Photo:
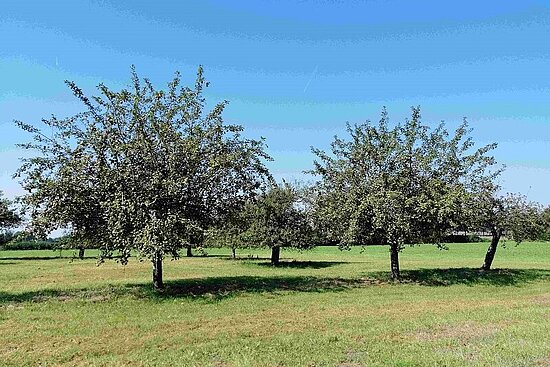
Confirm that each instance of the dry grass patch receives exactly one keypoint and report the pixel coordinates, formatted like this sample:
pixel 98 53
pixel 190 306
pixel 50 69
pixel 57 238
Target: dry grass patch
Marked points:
pixel 543 300
pixel 543 362
pixel 464 333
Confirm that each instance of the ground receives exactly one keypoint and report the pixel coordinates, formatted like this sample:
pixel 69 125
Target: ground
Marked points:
pixel 321 308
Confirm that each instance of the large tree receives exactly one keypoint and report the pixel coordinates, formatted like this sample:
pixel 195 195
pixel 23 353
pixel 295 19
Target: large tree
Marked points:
pixel 141 169
pixel 397 185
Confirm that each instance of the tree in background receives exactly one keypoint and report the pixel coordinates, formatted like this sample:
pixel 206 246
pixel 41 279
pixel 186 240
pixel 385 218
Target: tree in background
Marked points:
pixel 275 219
pixel 545 218
pixel 511 216
pixel 231 232
pixel 8 217
pixel 141 169
pixel 392 186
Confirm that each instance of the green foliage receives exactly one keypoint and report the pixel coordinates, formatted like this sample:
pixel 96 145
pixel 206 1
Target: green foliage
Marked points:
pixel 8 217
pixel 511 215
pixel 276 218
pixel 6 236
pixel 406 184
pixel 522 220
pixel 545 218
pixel 23 240
pixel 31 245
pixel 140 169
pixel 230 232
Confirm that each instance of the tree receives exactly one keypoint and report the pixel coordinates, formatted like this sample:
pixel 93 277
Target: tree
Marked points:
pixel 141 169
pixel 231 232
pixel 275 219
pixel 8 217
pixel 512 216
pixel 391 186
pixel 545 218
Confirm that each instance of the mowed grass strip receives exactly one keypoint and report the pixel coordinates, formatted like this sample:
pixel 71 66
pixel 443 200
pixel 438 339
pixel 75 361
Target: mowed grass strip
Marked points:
pixel 320 308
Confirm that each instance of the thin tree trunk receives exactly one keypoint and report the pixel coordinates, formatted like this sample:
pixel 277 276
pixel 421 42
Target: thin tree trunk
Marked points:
pixel 81 253
pixel 189 253
pixel 394 261
pixel 234 252
pixel 275 255
pixel 491 251
pixel 157 271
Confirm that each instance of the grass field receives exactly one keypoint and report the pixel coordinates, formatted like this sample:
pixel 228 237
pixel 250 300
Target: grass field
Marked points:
pixel 321 308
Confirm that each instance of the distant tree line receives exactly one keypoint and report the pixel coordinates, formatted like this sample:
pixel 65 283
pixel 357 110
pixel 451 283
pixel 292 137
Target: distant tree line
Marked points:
pixel 155 171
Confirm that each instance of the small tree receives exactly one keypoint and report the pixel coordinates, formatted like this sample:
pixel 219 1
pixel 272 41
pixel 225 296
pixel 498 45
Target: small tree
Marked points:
pixel 512 216
pixel 231 232
pixel 276 219
pixel 8 217
pixel 545 218
pixel 392 186
pixel 141 169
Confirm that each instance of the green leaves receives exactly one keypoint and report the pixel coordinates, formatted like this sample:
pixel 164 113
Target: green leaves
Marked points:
pixel 141 168
pixel 8 217
pixel 396 185
pixel 276 218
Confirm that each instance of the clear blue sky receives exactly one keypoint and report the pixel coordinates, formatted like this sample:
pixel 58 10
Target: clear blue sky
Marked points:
pixel 295 72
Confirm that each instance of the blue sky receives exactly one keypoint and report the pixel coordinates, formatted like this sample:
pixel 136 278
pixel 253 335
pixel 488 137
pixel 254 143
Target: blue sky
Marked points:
pixel 296 71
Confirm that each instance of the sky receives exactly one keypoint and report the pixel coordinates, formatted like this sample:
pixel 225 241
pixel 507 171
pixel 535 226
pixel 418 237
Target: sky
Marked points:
pixel 295 72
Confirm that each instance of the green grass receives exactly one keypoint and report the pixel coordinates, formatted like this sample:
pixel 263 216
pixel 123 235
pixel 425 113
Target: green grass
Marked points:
pixel 320 308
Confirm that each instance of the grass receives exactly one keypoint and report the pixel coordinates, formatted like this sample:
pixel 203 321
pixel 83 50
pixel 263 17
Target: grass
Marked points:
pixel 320 308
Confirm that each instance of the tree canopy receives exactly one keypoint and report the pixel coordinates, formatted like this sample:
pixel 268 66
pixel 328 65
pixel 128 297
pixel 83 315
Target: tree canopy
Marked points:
pixel 8 216
pixel 396 185
pixel 141 169
pixel 275 219
pixel 511 215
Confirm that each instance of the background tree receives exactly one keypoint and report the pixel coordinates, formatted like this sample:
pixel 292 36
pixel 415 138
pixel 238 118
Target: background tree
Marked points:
pixel 545 235
pixel 275 219
pixel 141 169
pixel 231 232
pixel 512 216
pixel 8 216
pixel 392 186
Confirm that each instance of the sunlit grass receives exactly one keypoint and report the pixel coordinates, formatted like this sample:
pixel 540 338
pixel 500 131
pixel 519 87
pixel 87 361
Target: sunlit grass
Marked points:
pixel 321 308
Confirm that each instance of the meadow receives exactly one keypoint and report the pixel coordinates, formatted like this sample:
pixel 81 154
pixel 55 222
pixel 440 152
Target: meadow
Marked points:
pixel 322 307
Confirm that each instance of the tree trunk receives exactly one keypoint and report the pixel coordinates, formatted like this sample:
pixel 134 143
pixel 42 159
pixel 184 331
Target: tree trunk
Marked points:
pixel 157 271
pixel 81 253
pixel 189 253
pixel 234 252
pixel 275 254
pixel 490 255
pixel 394 261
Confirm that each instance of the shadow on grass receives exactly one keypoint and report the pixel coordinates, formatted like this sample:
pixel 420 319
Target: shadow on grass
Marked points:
pixel 53 257
pixel 240 258
pixel 218 288
pixel 214 288
pixel 302 264
pixel 467 276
